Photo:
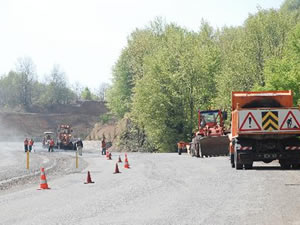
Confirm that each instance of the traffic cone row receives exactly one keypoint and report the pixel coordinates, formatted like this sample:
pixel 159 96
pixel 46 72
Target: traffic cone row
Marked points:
pixel 43 181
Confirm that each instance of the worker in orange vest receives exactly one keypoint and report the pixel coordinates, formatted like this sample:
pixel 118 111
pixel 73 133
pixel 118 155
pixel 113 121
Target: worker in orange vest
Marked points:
pixel 181 146
pixel 51 145
pixel 26 144
pixel 30 144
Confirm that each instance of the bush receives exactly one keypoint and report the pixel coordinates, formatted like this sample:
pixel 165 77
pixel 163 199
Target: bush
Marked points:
pixel 105 118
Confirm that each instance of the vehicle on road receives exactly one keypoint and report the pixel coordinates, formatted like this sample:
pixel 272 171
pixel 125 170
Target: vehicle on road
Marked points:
pixel 265 127
pixel 211 137
pixel 48 135
pixel 64 137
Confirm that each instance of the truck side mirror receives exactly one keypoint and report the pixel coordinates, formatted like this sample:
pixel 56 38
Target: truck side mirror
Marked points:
pixel 224 115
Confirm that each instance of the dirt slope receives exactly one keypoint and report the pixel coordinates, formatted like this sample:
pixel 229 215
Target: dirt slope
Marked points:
pixel 82 116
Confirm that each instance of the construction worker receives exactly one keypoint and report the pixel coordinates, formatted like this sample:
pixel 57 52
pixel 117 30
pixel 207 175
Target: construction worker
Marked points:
pixel 79 146
pixel 193 144
pixel 30 144
pixel 103 146
pixel 26 144
pixel 180 146
pixel 51 145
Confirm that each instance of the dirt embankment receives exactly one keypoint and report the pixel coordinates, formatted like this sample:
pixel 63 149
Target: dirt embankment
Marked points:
pixel 82 116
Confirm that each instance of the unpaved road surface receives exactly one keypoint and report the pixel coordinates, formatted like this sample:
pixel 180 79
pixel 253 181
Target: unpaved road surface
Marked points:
pixel 158 189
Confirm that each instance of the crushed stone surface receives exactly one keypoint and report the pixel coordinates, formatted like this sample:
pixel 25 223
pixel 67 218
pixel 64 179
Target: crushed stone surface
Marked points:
pixel 159 188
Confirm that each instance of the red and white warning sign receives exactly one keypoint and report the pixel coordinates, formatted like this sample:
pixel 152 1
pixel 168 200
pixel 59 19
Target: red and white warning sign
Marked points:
pixel 250 123
pixel 290 122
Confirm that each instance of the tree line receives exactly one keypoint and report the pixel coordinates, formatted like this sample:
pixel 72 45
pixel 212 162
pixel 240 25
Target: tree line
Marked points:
pixel 167 72
pixel 20 87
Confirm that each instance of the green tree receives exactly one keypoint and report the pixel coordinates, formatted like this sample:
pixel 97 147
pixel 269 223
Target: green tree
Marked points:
pixel 27 71
pixel 245 51
pixel 86 94
pixel 178 77
pixel 283 73
pixel 10 89
pixel 57 89
pixel 128 69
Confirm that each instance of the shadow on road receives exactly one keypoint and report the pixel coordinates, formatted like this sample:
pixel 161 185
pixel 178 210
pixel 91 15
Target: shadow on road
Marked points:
pixel 271 168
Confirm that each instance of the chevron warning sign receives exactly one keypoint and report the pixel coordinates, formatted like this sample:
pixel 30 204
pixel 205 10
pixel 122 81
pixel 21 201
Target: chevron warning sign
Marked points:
pixel 270 120
pixel 290 122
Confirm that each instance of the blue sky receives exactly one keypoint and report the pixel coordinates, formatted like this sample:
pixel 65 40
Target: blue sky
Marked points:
pixel 85 37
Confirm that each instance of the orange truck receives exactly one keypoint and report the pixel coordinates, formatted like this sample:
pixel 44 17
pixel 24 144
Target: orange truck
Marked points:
pixel 64 137
pixel 264 127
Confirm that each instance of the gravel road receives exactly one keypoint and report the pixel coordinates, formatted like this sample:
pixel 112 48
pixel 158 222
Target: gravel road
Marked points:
pixel 157 189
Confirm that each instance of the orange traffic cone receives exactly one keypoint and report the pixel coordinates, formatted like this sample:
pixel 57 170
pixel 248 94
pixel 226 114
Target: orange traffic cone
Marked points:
pixel 43 183
pixel 120 160
pixel 117 169
pixel 126 159
pixel 109 156
pixel 126 166
pixel 107 153
pixel 89 179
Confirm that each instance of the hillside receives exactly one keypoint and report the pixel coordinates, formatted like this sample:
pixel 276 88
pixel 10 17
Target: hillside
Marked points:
pixel 82 116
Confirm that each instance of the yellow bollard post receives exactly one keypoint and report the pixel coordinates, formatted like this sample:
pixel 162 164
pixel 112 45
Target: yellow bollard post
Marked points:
pixel 76 159
pixel 27 160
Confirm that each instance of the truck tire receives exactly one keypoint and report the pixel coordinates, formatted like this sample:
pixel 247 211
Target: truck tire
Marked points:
pixel 232 160
pixel 248 166
pixel 238 165
pixel 198 150
pixel 285 166
pixel 296 166
pixel 179 151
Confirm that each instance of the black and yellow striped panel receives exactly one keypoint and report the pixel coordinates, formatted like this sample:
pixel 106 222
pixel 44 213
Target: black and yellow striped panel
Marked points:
pixel 270 120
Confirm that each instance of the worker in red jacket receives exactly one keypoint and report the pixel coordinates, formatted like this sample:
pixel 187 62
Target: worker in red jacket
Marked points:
pixel 103 146
pixel 51 145
pixel 26 144
pixel 30 144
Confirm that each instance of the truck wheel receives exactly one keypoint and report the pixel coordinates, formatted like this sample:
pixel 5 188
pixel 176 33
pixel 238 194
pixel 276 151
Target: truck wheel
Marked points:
pixel 200 151
pixel 285 166
pixel 238 165
pixel 179 151
pixel 296 166
pixel 197 150
pixel 232 160
pixel 248 166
